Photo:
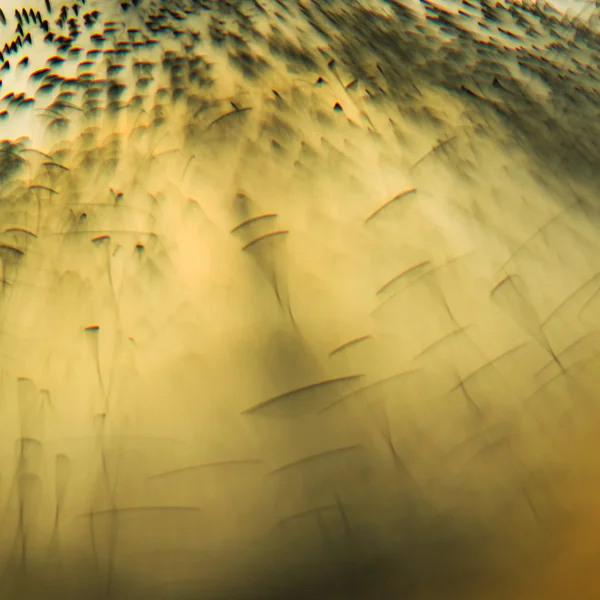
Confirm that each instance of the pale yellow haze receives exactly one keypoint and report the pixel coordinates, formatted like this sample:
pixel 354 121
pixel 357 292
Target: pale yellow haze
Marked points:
pixel 401 375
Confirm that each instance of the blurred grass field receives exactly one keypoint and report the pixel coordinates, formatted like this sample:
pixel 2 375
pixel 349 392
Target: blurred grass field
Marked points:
pixel 299 300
